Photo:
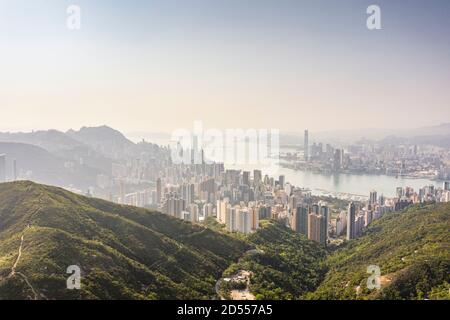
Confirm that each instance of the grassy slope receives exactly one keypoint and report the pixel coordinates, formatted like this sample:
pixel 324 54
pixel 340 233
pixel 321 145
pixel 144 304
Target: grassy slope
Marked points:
pixel 412 249
pixel 124 252
pixel 131 253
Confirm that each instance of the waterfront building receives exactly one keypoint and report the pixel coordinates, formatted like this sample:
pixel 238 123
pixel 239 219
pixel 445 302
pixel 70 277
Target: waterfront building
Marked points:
pixel 351 214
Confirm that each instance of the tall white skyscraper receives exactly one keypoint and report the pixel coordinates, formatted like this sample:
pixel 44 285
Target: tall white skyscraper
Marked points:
pixel 2 168
pixel 306 146
pixel 193 210
pixel 231 219
pixel 15 170
pixel 222 207
pixel 158 191
pixel 244 222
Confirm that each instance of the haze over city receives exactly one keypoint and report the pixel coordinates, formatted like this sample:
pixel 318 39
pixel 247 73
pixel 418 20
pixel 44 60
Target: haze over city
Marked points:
pixel 159 65
pixel 225 150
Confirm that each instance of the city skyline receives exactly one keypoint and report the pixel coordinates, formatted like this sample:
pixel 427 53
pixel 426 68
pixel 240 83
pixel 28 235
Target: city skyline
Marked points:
pixel 308 64
pixel 133 135
pixel 225 150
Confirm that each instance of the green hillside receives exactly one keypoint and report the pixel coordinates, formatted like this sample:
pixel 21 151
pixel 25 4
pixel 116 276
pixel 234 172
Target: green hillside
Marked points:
pixel 123 252
pixel 131 253
pixel 412 249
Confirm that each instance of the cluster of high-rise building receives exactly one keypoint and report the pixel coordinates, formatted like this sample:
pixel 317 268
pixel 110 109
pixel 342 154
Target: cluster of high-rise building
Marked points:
pixel 226 194
pixel 359 216
pixel 311 221
pixel 316 153
pixel 140 198
pixel 429 193
pixel 240 199
pixel 194 191
pixel 373 157
pixel 241 218
pixel 13 174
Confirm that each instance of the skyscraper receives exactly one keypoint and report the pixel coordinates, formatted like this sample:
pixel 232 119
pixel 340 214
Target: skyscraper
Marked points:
pixel 351 213
pixel 222 207
pixel 341 223
pixel 315 209
pixel 324 227
pixel 373 197
pixel 399 192
pixel 306 146
pixel 2 168
pixel 254 218
pixel 174 207
pixel 382 200
pixel 300 220
pixel 257 176
pixel 264 212
pixel 446 185
pixel 281 181
pixel 315 228
pixel 187 193
pixel 246 178
pixel 244 221
pixel 231 218
pixel 312 226
pixel 15 170
pixel 122 192
pixel 193 210
pixel 368 217
pixel 158 190
pixel 208 210
pixel 337 160
pixel 195 156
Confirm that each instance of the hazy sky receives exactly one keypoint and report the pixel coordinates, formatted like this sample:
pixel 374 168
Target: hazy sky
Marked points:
pixel 160 65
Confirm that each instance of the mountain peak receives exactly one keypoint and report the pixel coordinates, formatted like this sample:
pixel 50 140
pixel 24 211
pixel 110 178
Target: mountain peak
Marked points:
pixel 107 140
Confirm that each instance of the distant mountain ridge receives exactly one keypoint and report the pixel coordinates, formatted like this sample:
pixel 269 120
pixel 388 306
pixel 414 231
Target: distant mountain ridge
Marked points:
pixel 425 135
pixel 38 164
pixel 88 152
pixel 104 139
pixel 51 140
pixel 111 143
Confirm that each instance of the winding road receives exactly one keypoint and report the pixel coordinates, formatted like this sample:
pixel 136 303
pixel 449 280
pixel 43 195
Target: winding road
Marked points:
pixel 13 268
pixel 19 255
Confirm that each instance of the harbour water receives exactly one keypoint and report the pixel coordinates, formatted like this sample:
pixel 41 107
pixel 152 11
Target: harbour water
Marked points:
pixel 345 185
pixel 341 185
